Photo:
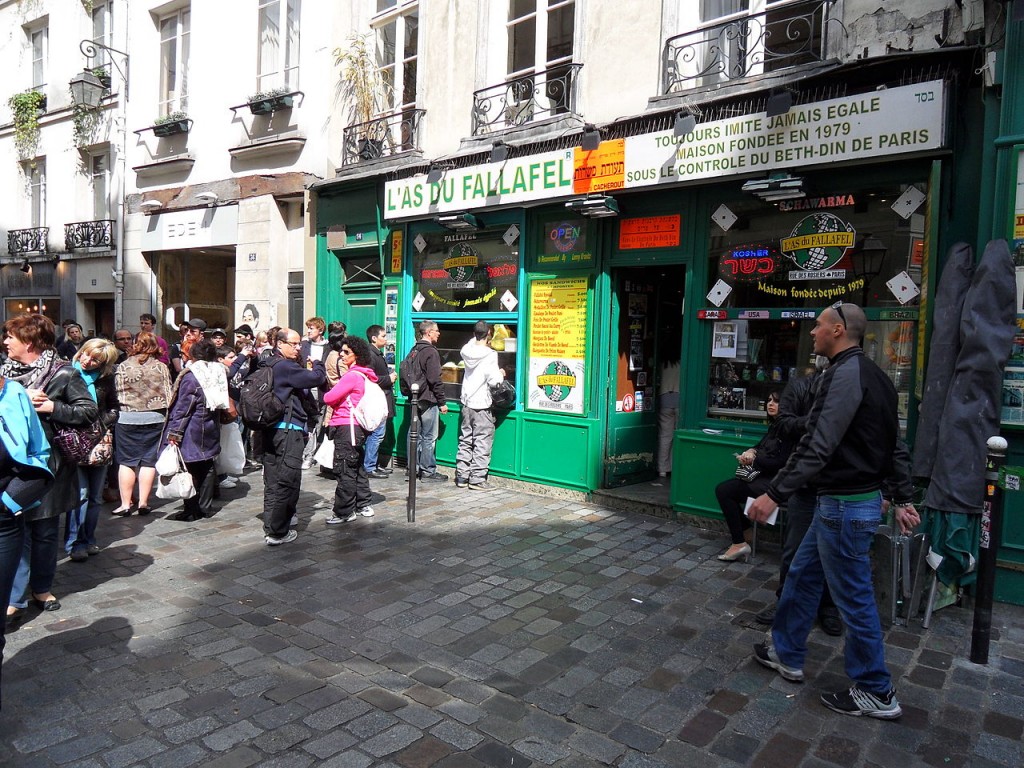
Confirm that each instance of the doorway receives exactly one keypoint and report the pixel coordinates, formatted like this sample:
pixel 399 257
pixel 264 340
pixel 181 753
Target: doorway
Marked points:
pixel 646 336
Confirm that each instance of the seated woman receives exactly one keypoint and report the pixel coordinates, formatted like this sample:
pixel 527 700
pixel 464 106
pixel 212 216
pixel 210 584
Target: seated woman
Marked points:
pixel 766 458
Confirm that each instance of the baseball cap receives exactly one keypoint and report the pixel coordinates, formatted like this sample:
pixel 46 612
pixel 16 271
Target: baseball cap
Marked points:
pixel 198 323
pixel 244 330
pixel 218 332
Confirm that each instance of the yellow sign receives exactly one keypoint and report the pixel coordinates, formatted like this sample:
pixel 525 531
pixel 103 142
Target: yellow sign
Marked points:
pixel 558 318
pixel 818 240
pixel 1018 227
pixel 396 251
pixel 601 169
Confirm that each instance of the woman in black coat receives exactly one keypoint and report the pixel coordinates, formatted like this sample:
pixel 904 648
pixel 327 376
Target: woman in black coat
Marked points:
pixel 766 458
pixel 60 396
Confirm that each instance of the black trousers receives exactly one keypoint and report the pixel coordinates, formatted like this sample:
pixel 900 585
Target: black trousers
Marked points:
pixel 353 489
pixel 200 470
pixel 732 497
pixel 282 478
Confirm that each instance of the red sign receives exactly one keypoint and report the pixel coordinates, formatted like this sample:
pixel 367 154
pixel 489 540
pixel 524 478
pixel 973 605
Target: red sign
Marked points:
pixel 627 403
pixel 649 232
pixel 712 314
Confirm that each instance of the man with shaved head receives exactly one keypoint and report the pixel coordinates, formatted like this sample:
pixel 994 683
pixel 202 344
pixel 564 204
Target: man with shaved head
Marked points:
pixel 851 456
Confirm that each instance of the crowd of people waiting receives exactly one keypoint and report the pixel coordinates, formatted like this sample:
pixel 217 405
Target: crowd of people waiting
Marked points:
pixel 86 419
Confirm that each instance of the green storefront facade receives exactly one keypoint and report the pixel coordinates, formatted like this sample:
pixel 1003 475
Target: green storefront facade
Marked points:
pixel 693 268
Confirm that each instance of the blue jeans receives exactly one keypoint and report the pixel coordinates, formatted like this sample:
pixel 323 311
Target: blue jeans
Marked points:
pixel 373 441
pixel 82 520
pixel 836 550
pixel 12 532
pixel 425 459
pixel 38 562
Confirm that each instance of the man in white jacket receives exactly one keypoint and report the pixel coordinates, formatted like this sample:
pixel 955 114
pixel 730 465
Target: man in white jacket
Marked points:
pixel 476 427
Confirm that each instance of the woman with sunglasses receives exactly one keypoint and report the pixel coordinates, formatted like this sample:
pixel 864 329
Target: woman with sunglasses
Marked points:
pixel 352 493
pixel 760 463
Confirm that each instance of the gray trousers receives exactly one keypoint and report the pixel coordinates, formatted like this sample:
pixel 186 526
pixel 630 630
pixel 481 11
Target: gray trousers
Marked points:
pixel 476 436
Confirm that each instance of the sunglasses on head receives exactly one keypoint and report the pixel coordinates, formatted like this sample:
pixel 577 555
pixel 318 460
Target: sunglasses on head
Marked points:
pixel 838 307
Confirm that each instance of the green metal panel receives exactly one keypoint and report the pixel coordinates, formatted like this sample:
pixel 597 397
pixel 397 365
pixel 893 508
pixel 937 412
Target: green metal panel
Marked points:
pixel 560 452
pixel 699 463
pixel 329 300
pixel 505 451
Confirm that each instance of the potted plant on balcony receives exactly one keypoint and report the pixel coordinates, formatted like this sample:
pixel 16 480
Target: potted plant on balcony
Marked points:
pixel 103 75
pixel 366 88
pixel 171 125
pixel 26 108
pixel 268 102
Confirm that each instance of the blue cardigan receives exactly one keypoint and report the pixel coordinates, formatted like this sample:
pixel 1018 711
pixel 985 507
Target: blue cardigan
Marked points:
pixel 25 442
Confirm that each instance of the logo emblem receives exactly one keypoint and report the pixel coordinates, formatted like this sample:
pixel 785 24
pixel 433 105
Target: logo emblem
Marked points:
pixel 461 263
pixel 557 381
pixel 818 242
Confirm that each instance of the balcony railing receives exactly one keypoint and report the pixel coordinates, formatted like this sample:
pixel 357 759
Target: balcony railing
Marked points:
pixel 22 241
pixel 751 44
pixel 382 137
pixel 525 99
pixel 89 234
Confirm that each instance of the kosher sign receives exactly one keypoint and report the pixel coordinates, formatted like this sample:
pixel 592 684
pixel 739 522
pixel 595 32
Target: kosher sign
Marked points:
pixel 558 344
pixel 890 122
pixel 748 263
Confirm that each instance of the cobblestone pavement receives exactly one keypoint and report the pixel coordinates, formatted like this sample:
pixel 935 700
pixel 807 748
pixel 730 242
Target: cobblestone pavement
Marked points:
pixel 501 629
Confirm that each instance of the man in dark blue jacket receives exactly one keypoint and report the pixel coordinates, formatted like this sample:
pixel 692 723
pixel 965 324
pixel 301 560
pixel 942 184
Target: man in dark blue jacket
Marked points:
pixel 283 443
pixel 849 454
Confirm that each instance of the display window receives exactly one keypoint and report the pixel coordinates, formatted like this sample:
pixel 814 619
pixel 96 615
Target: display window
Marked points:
pixel 774 266
pixel 455 335
pixel 470 271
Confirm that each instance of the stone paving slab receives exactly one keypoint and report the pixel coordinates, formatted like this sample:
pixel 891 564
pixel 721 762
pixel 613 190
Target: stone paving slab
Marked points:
pixel 500 629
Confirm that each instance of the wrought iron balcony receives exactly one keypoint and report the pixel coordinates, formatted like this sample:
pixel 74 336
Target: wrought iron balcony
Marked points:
pixel 89 234
pixel 525 99
pixel 746 45
pixel 382 137
pixel 22 241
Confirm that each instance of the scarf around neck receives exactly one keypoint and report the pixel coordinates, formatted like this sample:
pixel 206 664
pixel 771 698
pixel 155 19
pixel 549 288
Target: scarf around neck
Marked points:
pixel 31 375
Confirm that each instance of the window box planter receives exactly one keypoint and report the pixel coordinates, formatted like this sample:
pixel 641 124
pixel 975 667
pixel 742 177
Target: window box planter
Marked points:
pixel 173 126
pixel 272 104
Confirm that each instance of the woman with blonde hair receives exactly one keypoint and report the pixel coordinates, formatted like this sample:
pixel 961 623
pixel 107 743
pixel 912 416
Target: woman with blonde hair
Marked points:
pixel 94 361
pixel 143 386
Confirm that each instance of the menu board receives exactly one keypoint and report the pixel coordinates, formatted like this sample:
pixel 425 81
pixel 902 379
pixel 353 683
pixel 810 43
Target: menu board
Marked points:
pixel 558 344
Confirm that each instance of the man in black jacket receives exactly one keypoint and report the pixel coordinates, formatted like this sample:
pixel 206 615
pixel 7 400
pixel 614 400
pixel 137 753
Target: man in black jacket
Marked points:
pixel 282 444
pixel 378 340
pixel 849 454
pixel 432 401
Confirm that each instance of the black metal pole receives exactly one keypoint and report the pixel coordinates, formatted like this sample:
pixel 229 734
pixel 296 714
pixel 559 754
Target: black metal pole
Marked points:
pixel 411 461
pixel 988 549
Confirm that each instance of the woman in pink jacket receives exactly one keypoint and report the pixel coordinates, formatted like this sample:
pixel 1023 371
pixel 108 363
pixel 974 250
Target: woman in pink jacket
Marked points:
pixel 352 494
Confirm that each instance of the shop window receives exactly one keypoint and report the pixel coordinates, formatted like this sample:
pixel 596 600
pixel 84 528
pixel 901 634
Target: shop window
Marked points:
pixel 778 265
pixel 174 54
pixel 196 284
pixel 278 62
pixel 455 335
pixel 466 272
pixel 44 305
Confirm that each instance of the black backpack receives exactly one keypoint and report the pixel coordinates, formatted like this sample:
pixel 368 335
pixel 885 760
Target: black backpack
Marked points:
pixel 258 406
pixel 410 372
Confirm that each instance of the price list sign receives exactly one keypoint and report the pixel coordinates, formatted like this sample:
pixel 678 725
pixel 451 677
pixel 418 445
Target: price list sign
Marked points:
pixel 558 344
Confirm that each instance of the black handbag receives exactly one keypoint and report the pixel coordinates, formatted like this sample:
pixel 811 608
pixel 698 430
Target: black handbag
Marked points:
pixel 747 473
pixel 503 394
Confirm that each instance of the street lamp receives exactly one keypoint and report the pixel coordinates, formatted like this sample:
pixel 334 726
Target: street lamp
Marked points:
pixel 88 91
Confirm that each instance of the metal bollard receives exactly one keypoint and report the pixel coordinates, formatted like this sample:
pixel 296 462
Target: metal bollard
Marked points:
pixel 411 461
pixel 988 549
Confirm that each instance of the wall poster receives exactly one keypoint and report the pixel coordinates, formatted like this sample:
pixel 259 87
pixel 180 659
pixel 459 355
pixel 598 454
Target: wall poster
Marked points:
pixel 558 344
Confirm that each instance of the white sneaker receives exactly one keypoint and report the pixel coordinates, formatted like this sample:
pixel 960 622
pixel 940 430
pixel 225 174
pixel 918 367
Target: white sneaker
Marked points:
pixel 274 542
pixel 307 463
pixel 366 511
pixel 338 520
pixel 228 482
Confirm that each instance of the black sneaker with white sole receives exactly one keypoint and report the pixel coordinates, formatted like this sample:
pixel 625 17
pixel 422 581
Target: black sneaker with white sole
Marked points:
pixel 856 702
pixel 764 654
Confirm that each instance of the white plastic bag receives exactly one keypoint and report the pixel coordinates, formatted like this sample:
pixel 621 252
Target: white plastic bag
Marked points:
pixel 231 460
pixel 168 461
pixel 178 484
pixel 324 455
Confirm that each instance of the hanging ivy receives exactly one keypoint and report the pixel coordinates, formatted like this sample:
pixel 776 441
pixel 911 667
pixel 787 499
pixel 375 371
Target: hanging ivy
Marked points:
pixel 26 108
pixel 85 120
